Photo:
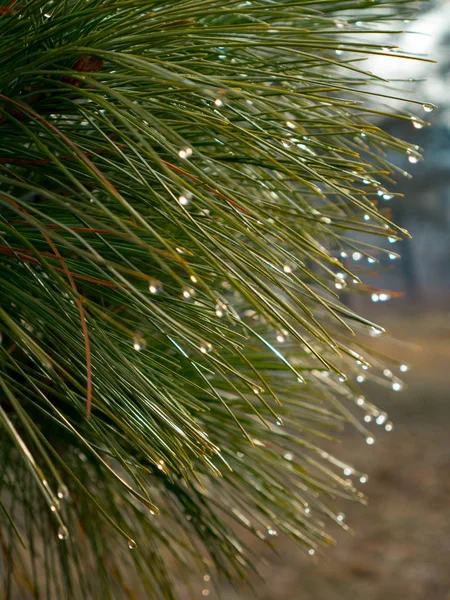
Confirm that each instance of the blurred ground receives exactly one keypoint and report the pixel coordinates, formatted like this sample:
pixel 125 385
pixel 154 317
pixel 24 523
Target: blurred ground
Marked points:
pixel 401 546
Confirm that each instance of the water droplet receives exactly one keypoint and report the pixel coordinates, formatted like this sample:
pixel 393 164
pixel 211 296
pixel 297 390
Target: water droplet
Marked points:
pixel 397 386
pixel 344 255
pixel 206 577
pixel 280 338
pixel 356 256
pixel 139 343
pixel 273 532
pixel 53 508
pixel 132 544
pixel 63 491
pixel 311 551
pixel 428 107
pixel 291 125
pixel 287 269
pixel 375 331
pixel 404 368
pixel 416 123
pixel 360 401
pixel 380 419
pixel 218 102
pixel 388 196
pixel 205 347
pixel 363 479
pixel 63 534
pixel 374 298
pixel 368 418
pixel 348 471
pixel 383 297
pixel 289 456
pixel 155 286
pixel 184 199
pixel 413 157
pixel 340 282
pixel 366 217
pixel 340 517
pixel 205 592
pixel 370 440
pixel 360 379
pixel 389 426
pixel 185 152
pixel 186 294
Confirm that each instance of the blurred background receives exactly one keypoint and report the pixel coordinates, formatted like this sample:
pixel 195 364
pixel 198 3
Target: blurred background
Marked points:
pixel 400 548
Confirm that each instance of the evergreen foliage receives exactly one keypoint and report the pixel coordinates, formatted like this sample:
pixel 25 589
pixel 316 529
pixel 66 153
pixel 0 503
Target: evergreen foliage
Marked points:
pixel 181 181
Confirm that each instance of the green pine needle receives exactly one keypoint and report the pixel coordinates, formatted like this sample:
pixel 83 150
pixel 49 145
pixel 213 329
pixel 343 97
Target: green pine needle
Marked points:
pixel 181 183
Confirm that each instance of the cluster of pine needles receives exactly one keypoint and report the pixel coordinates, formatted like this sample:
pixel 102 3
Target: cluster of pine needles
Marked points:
pixel 181 185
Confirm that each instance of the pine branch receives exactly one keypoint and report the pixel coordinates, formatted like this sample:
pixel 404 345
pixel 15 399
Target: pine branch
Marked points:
pixel 182 185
